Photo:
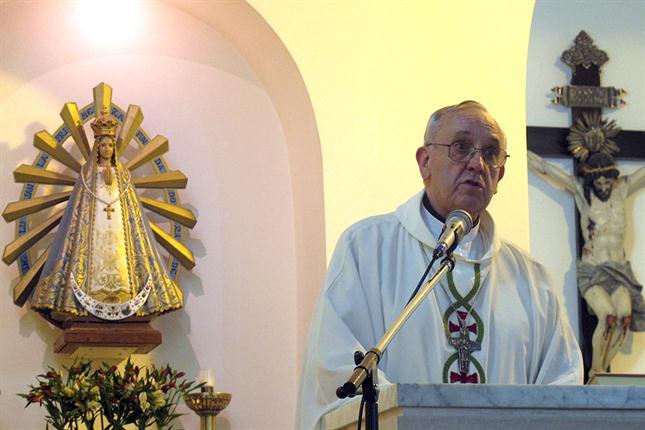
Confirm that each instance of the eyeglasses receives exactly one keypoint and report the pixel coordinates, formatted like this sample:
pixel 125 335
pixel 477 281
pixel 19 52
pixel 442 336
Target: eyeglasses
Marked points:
pixel 462 152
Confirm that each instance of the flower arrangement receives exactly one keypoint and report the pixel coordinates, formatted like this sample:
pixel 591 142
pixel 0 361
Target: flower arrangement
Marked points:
pixel 79 396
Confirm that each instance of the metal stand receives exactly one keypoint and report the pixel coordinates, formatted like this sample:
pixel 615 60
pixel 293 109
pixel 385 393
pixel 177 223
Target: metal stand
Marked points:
pixel 370 391
pixel 207 404
pixel 365 373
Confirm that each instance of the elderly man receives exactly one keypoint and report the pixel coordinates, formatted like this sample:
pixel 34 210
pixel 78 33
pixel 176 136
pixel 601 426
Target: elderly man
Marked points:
pixel 496 297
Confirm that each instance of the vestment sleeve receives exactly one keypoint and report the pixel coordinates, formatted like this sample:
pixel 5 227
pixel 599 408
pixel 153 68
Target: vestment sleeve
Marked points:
pixel 345 320
pixel 560 360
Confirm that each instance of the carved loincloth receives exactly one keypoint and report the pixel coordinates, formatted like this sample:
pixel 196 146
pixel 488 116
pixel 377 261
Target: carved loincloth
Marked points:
pixel 610 276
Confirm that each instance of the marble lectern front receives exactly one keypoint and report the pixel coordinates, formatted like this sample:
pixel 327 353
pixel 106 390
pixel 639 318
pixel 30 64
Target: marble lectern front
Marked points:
pixel 500 407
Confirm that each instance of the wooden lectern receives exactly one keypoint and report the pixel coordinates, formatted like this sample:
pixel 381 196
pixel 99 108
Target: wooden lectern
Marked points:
pixel 500 407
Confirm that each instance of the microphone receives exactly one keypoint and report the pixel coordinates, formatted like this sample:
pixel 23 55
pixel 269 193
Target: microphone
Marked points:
pixel 458 224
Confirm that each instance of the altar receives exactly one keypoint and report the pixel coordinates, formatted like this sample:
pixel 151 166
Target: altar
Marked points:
pixel 499 407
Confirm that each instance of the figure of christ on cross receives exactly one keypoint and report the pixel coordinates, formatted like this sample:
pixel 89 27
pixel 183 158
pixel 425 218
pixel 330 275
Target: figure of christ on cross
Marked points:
pixel 463 344
pixel 605 278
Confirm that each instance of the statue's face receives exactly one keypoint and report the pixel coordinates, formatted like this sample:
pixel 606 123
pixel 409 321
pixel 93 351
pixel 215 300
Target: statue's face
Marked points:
pixel 602 187
pixel 106 147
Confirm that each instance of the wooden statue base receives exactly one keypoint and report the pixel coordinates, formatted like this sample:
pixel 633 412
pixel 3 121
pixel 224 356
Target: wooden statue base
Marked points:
pixel 138 337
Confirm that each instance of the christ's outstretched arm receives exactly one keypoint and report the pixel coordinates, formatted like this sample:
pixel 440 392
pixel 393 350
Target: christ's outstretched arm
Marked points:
pixel 553 174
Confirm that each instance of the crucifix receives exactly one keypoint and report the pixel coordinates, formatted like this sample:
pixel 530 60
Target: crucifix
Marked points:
pixel 108 211
pixel 463 344
pixel 606 282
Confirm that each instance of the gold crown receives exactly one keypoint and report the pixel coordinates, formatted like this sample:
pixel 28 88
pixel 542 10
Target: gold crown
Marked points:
pixel 104 125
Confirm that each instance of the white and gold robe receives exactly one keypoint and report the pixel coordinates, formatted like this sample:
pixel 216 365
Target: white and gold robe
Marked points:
pixel 110 261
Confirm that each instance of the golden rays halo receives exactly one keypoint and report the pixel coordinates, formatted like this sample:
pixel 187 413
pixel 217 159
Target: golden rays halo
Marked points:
pixel 32 231
pixel 590 134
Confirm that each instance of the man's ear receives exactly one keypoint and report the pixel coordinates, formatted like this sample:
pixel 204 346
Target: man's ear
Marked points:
pixel 423 160
pixel 501 173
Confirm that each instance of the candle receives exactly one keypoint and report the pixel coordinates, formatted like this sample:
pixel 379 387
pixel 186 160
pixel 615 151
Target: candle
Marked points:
pixel 207 376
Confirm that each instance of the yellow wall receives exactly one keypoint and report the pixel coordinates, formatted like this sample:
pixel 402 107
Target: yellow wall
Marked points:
pixel 375 70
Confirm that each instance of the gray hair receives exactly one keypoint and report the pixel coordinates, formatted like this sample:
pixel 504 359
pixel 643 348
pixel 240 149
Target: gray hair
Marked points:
pixel 435 119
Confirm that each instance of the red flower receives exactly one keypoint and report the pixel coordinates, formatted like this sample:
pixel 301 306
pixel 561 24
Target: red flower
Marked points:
pixel 33 398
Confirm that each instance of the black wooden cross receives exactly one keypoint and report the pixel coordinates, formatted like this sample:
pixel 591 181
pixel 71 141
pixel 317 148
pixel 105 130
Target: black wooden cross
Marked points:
pixel 584 95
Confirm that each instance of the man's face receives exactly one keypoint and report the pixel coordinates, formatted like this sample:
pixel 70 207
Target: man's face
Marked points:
pixel 602 187
pixel 467 185
pixel 106 147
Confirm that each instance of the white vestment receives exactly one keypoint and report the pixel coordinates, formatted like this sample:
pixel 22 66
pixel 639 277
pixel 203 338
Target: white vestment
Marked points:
pixel 524 335
pixel 109 281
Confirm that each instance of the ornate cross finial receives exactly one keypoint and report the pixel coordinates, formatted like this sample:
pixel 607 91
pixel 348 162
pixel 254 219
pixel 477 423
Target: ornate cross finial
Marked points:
pixel 584 53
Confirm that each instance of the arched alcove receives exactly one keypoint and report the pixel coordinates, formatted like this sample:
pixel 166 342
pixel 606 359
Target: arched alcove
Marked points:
pixel 226 93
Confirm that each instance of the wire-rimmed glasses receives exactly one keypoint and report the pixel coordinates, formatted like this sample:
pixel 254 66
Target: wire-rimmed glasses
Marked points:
pixel 462 152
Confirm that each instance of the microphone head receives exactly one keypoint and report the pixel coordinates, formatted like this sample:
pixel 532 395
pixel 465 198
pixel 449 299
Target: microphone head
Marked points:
pixel 458 224
pixel 461 220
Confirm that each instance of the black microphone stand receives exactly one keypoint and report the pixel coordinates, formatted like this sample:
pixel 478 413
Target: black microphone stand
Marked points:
pixel 365 373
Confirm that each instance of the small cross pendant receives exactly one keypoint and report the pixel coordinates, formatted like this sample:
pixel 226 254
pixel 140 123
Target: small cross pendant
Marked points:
pixel 108 210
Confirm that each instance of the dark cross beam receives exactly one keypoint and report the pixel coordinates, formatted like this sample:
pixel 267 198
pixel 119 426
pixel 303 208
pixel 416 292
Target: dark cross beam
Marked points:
pixel 552 142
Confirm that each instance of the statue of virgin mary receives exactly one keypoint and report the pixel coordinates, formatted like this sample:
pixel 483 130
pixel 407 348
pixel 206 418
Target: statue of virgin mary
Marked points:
pixel 102 261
